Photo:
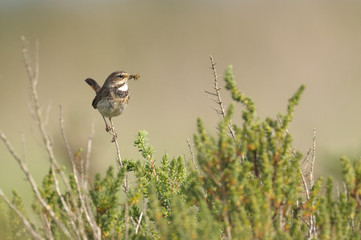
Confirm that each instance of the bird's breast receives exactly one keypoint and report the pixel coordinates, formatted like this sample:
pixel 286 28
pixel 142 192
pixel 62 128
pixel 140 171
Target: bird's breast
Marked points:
pixel 111 107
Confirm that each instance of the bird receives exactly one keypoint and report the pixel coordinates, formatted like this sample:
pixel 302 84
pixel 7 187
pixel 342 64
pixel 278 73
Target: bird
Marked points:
pixel 112 98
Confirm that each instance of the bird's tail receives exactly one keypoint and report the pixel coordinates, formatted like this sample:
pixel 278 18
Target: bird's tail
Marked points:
pixel 93 84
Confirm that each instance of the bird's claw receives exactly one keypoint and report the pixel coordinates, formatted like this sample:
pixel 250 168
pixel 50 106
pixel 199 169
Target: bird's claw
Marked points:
pixel 107 128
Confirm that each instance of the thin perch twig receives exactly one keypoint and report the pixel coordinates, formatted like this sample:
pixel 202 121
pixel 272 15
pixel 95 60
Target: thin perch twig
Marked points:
pixel 119 158
pixel 115 140
pixel 125 183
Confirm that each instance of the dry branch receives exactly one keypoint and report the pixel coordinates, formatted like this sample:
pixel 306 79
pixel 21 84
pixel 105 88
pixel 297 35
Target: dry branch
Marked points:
pixel 25 221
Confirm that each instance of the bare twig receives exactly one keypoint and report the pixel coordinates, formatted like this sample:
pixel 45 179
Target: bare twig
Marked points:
pixel 84 198
pixel 32 182
pixel 25 221
pixel 308 225
pixel 74 227
pixel 305 159
pixel 125 183
pixel 153 166
pixel 210 93
pixel 218 95
pixel 37 65
pixel 85 205
pixel 23 150
pixel 192 155
pixel 47 113
pixel 115 140
pixel 312 229
pixel 69 213
pixel 70 153
pixel 313 157
pixel 139 221
pixel 65 139
pixel 228 225
pixel 33 79
pixel 337 191
pixel 309 171
pixel 308 164
pixel 80 185
pixel 90 142
pixel 45 221
pixel 119 158
pixel 91 219
pixel 126 208
pixel 305 187
pixel 133 221
pixel 145 204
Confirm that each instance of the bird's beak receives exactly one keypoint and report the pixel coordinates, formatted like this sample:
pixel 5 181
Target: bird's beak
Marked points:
pixel 134 76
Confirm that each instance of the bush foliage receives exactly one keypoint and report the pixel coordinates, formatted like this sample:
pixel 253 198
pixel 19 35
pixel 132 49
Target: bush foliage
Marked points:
pixel 244 182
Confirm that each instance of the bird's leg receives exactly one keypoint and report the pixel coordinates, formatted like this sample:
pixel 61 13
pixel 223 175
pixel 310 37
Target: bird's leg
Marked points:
pixel 115 135
pixel 107 128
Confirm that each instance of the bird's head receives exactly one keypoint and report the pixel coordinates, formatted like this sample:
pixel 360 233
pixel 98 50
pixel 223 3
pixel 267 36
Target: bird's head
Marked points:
pixel 119 79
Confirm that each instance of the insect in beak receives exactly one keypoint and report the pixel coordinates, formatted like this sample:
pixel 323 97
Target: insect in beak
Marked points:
pixel 135 76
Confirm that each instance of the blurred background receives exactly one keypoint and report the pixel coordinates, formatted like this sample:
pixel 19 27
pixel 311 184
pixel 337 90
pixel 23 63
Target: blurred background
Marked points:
pixel 274 47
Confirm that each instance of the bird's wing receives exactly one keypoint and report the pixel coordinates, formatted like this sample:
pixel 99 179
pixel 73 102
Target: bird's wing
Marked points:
pixel 100 94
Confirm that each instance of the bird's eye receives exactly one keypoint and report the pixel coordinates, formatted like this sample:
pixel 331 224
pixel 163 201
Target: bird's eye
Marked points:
pixel 120 76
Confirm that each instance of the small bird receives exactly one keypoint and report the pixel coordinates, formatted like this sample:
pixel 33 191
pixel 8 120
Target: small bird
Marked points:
pixel 112 98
